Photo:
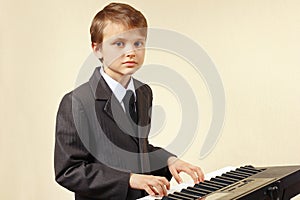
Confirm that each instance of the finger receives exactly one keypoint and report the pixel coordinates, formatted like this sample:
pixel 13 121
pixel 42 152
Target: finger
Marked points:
pixel 165 192
pixel 159 189
pixel 165 182
pixel 164 186
pixel 150 190
pixel 200 174
pixel 192 174
pixel 156 190
pixel 176 175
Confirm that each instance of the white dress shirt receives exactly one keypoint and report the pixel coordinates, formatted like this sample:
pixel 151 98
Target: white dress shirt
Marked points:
pixel 118 90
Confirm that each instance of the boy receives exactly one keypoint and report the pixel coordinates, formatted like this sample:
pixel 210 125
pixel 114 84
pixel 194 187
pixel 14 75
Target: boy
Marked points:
pixel 101 146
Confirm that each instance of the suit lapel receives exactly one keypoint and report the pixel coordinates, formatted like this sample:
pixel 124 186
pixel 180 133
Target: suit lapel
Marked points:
pixel 143 106
pixel 144 113
pixel 112 107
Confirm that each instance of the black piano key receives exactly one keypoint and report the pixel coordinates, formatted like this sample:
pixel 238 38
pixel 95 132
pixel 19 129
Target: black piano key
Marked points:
pixel 259 170
pixel 180 197
pixel 237 178
pixel 199 190
pixel 222 180
pixel 206 186
pixel 252 171
pixel 249 167
pixel 193 192
pixel 218 182
pixel 230 178
pixel 236 174
pixel 205 192
pixel 211 183
pixel 244 171
pixel 169 198
pixel 187 195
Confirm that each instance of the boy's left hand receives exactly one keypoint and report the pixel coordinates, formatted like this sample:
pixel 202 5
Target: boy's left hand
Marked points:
pixel 176 166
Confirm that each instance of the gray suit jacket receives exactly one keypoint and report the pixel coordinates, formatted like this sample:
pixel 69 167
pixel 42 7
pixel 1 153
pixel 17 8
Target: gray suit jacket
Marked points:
pixel 96 146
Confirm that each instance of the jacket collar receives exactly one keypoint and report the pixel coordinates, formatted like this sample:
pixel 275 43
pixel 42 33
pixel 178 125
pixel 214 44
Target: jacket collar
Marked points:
pixel 100 89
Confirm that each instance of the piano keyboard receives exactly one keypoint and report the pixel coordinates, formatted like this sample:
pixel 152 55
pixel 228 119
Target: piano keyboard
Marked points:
pixel 177 187
pixel 243 183
pixel 216 183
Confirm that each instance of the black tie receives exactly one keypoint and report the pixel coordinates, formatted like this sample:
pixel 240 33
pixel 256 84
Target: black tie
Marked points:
pixel 129 105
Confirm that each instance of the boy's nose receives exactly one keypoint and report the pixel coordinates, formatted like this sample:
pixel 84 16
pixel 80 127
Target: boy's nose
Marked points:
pixel 130 49
pixel 130 53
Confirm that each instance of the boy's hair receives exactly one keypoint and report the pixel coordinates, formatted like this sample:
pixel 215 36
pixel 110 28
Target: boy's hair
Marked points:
pixel 117 13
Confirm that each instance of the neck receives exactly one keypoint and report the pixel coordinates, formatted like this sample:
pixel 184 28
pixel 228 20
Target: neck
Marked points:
pixel 119 77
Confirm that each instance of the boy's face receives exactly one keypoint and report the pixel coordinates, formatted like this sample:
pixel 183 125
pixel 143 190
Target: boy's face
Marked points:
pixel 122 50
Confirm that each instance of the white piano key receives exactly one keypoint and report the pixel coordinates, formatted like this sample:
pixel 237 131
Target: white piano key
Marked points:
pixel 179 187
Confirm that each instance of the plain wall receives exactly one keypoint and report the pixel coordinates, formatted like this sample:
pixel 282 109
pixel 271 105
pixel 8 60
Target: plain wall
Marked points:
pixel 254 44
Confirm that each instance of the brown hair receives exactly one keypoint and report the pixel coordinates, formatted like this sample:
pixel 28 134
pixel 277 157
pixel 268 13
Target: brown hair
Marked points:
pixel 117 13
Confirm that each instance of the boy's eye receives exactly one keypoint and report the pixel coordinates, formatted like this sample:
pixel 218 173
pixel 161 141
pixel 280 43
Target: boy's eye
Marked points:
pixel 119 44
pixel 138 44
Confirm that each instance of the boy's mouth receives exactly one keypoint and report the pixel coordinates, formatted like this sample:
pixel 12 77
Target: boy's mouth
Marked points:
pixel 130 63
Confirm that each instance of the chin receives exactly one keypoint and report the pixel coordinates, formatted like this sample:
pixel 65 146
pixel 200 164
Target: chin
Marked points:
pixel 132 69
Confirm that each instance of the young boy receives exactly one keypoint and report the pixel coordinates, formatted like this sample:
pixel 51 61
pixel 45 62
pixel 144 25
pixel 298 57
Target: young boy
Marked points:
pixel 101 144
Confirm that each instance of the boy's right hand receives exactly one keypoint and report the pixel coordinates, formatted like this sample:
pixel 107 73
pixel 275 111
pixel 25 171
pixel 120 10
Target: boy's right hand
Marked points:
pixel 153 185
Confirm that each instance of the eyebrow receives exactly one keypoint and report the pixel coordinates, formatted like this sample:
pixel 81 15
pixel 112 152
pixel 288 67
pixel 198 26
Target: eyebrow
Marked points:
pixel 124 38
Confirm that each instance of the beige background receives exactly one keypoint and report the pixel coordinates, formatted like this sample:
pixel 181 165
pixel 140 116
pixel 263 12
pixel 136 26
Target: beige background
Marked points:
pixel 254 44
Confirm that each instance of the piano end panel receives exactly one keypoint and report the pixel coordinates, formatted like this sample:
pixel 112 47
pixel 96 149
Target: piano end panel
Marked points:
pixel 291 191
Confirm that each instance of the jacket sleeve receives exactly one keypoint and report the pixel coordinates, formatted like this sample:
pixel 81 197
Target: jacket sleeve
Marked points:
pixel 158 157
pixel 75 168
pixel 158 161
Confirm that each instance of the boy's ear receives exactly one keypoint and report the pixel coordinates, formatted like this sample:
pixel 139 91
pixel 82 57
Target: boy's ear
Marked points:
pixel 97 50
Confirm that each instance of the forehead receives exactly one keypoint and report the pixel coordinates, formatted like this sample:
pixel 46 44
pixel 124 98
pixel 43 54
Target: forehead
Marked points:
pixel 116 30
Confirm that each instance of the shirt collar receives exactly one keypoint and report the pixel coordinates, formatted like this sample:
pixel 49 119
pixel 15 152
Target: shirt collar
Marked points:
pixel 118 90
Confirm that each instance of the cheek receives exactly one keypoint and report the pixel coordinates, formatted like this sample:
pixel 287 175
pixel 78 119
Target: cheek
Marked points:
pixel 110 55
pixel 141 54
